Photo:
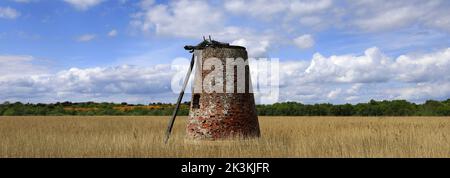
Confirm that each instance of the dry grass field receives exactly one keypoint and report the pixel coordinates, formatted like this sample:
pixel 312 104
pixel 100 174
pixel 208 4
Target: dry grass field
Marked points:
pixel 281 137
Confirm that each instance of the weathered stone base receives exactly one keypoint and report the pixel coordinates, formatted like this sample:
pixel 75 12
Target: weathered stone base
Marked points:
pixel 223 116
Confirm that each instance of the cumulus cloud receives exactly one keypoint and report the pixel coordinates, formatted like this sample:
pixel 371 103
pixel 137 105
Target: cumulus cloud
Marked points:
pixel 419 92
pixel 304 41
pixel 265 24
pixel 112 80
pixel 25 81
pixel 280 19
pixel 373 66
pixel 179 18
pixel 430 67
pixel 337 79
pixel 388 15
pixel 83 4
pixel 257 48
pixel 17 75
pixel 373 75
pixel 286 16
pixel 8 13
pixel 389 19
pixel 186 19
pixel 367 15
pixel 13 67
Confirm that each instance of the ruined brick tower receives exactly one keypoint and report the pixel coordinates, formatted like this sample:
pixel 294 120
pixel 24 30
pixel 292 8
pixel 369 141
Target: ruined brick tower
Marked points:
pixel 221 115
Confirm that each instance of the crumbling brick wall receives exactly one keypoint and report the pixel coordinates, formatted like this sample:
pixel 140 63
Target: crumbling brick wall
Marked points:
pixel 216 116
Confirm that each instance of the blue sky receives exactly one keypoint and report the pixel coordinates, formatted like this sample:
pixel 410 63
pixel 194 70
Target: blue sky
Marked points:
pixel 330 51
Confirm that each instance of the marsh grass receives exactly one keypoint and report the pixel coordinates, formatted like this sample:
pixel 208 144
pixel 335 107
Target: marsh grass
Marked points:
pixel 281 137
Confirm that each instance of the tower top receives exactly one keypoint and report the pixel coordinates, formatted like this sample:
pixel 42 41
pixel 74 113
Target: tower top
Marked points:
pixel 210 43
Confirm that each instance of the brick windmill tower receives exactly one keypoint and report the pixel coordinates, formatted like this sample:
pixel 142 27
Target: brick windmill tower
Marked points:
pixel 223 104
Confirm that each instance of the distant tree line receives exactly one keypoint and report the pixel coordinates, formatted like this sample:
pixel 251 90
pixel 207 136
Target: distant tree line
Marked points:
pixel 88 109
pixel 372 108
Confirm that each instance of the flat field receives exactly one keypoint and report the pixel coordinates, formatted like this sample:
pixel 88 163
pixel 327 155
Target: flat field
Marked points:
pixel 125 136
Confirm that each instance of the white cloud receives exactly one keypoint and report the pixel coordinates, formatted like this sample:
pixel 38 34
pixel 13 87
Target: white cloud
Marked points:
pixel 420 92
pixel 83 4
pixel 179 18
pixel 270 23
pixel 28 83
pixel 373 66
pixel 304 41
pixel 112 33
pixel 376 67
pixel 373 75
pixel 285 16
pixel 388 20
pixel 423 68
pixel 257 43
pixel 186 19
pixel 351 15
pixel 373 17
pixel 256 48
pixel 265 24
pixel 335 79
pixel 17 75
pixel 86 38
pixel 387 15
pixel 13 67
pixel 8 13
pixel 122 79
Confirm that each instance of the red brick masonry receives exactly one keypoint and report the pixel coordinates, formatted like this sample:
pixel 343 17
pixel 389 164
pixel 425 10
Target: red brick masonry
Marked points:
pixel 219 116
